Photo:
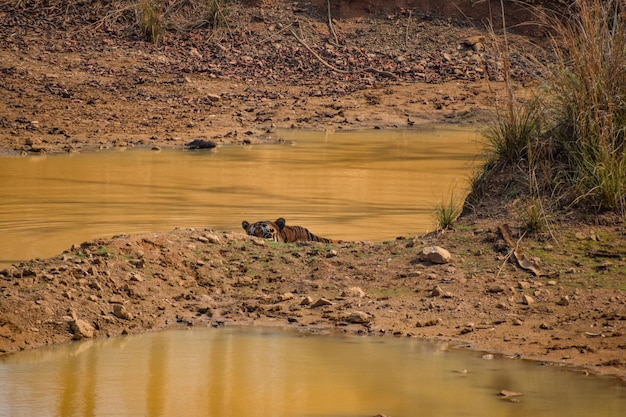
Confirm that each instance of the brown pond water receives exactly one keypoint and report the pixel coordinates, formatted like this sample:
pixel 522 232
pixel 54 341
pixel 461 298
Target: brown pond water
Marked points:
pixel 372 185
pixel 249 372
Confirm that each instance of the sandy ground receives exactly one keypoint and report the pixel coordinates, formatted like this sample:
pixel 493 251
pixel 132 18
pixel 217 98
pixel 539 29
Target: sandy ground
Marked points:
pixel 95 86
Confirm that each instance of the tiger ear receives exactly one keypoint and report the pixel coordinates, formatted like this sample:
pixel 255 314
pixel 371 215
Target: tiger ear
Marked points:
pixel 280 222
pixel 245 225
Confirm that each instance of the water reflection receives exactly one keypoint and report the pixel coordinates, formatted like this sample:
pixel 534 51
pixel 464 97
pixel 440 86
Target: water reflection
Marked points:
pixel 267 372
pixel 373 185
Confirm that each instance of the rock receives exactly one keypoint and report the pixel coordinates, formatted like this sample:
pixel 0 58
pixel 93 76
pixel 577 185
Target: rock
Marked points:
pixel 81 329
pixel 428 323
pixel 435 255
pixel 116 299
pixel 496 288
pixel 306 301
pixel 358 317
pixel 527 299
pixel 121 312
pixel 564 301
pixel 507 393
pixel 321 302
pixel 353 292
pixel 437 291
pixel 286 296
pixel 201 144
pixel 136 278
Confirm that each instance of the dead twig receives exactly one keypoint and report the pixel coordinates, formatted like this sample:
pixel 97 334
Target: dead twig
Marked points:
pixel 406 34
pixel 326 64
pixel 273 35
pixel 339 70
pixel 330 25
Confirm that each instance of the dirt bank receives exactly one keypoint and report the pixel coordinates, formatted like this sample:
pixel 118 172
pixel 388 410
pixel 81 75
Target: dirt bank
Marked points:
pixel 79 79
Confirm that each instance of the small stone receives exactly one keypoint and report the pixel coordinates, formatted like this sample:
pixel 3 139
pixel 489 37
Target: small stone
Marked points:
pixel 306 301
pixel 358 317
pixel 213 239
pixel 497 288
pixel 353 292
pixel 121 312
pixel 332 253
pixel 564 301
pixel 136 278
pixel 81 329
pixel 321 302
pixel 201 144
pixel 286 296
pixel 116 299
pixel 507 393
pixel 435 255
pixel 437 291
pixel 527 299
pixel 544 326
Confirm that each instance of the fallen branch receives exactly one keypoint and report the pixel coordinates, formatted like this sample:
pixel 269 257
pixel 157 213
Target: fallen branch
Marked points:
pixel 317 56
pixel 517 254
pixel 339 70
pixel 381 72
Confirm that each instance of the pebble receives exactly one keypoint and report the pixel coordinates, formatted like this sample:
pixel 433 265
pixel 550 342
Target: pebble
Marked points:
pixel 121 312
pixel 437 291
pixel 321 302
pixel 564 301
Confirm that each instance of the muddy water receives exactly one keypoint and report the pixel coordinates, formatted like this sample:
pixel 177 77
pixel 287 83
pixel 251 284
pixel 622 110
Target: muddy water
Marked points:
pixel 373 185
pixel 268 372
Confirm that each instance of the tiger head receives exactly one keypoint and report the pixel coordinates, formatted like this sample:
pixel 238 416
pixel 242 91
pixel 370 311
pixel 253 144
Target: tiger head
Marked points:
pixel 265 229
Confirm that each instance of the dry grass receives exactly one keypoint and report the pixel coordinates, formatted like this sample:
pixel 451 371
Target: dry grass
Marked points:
pixel 571 147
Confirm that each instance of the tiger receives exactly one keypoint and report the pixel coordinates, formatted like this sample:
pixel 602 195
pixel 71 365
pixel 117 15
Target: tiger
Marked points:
pixel 278 231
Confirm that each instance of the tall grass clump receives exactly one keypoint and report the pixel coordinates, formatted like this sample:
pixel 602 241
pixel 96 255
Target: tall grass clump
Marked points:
pixel 156 17
pixel 151 20
pixel 589 89
pixel 446 212
pixel 570 145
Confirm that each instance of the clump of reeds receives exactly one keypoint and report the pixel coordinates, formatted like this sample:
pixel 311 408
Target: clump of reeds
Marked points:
pixel 446 212
pixel 589 89
pixel 150 19
pixel 575 138
pixel 155 18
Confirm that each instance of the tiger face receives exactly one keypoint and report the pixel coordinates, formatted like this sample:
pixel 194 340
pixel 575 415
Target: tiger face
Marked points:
pixel 265 229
